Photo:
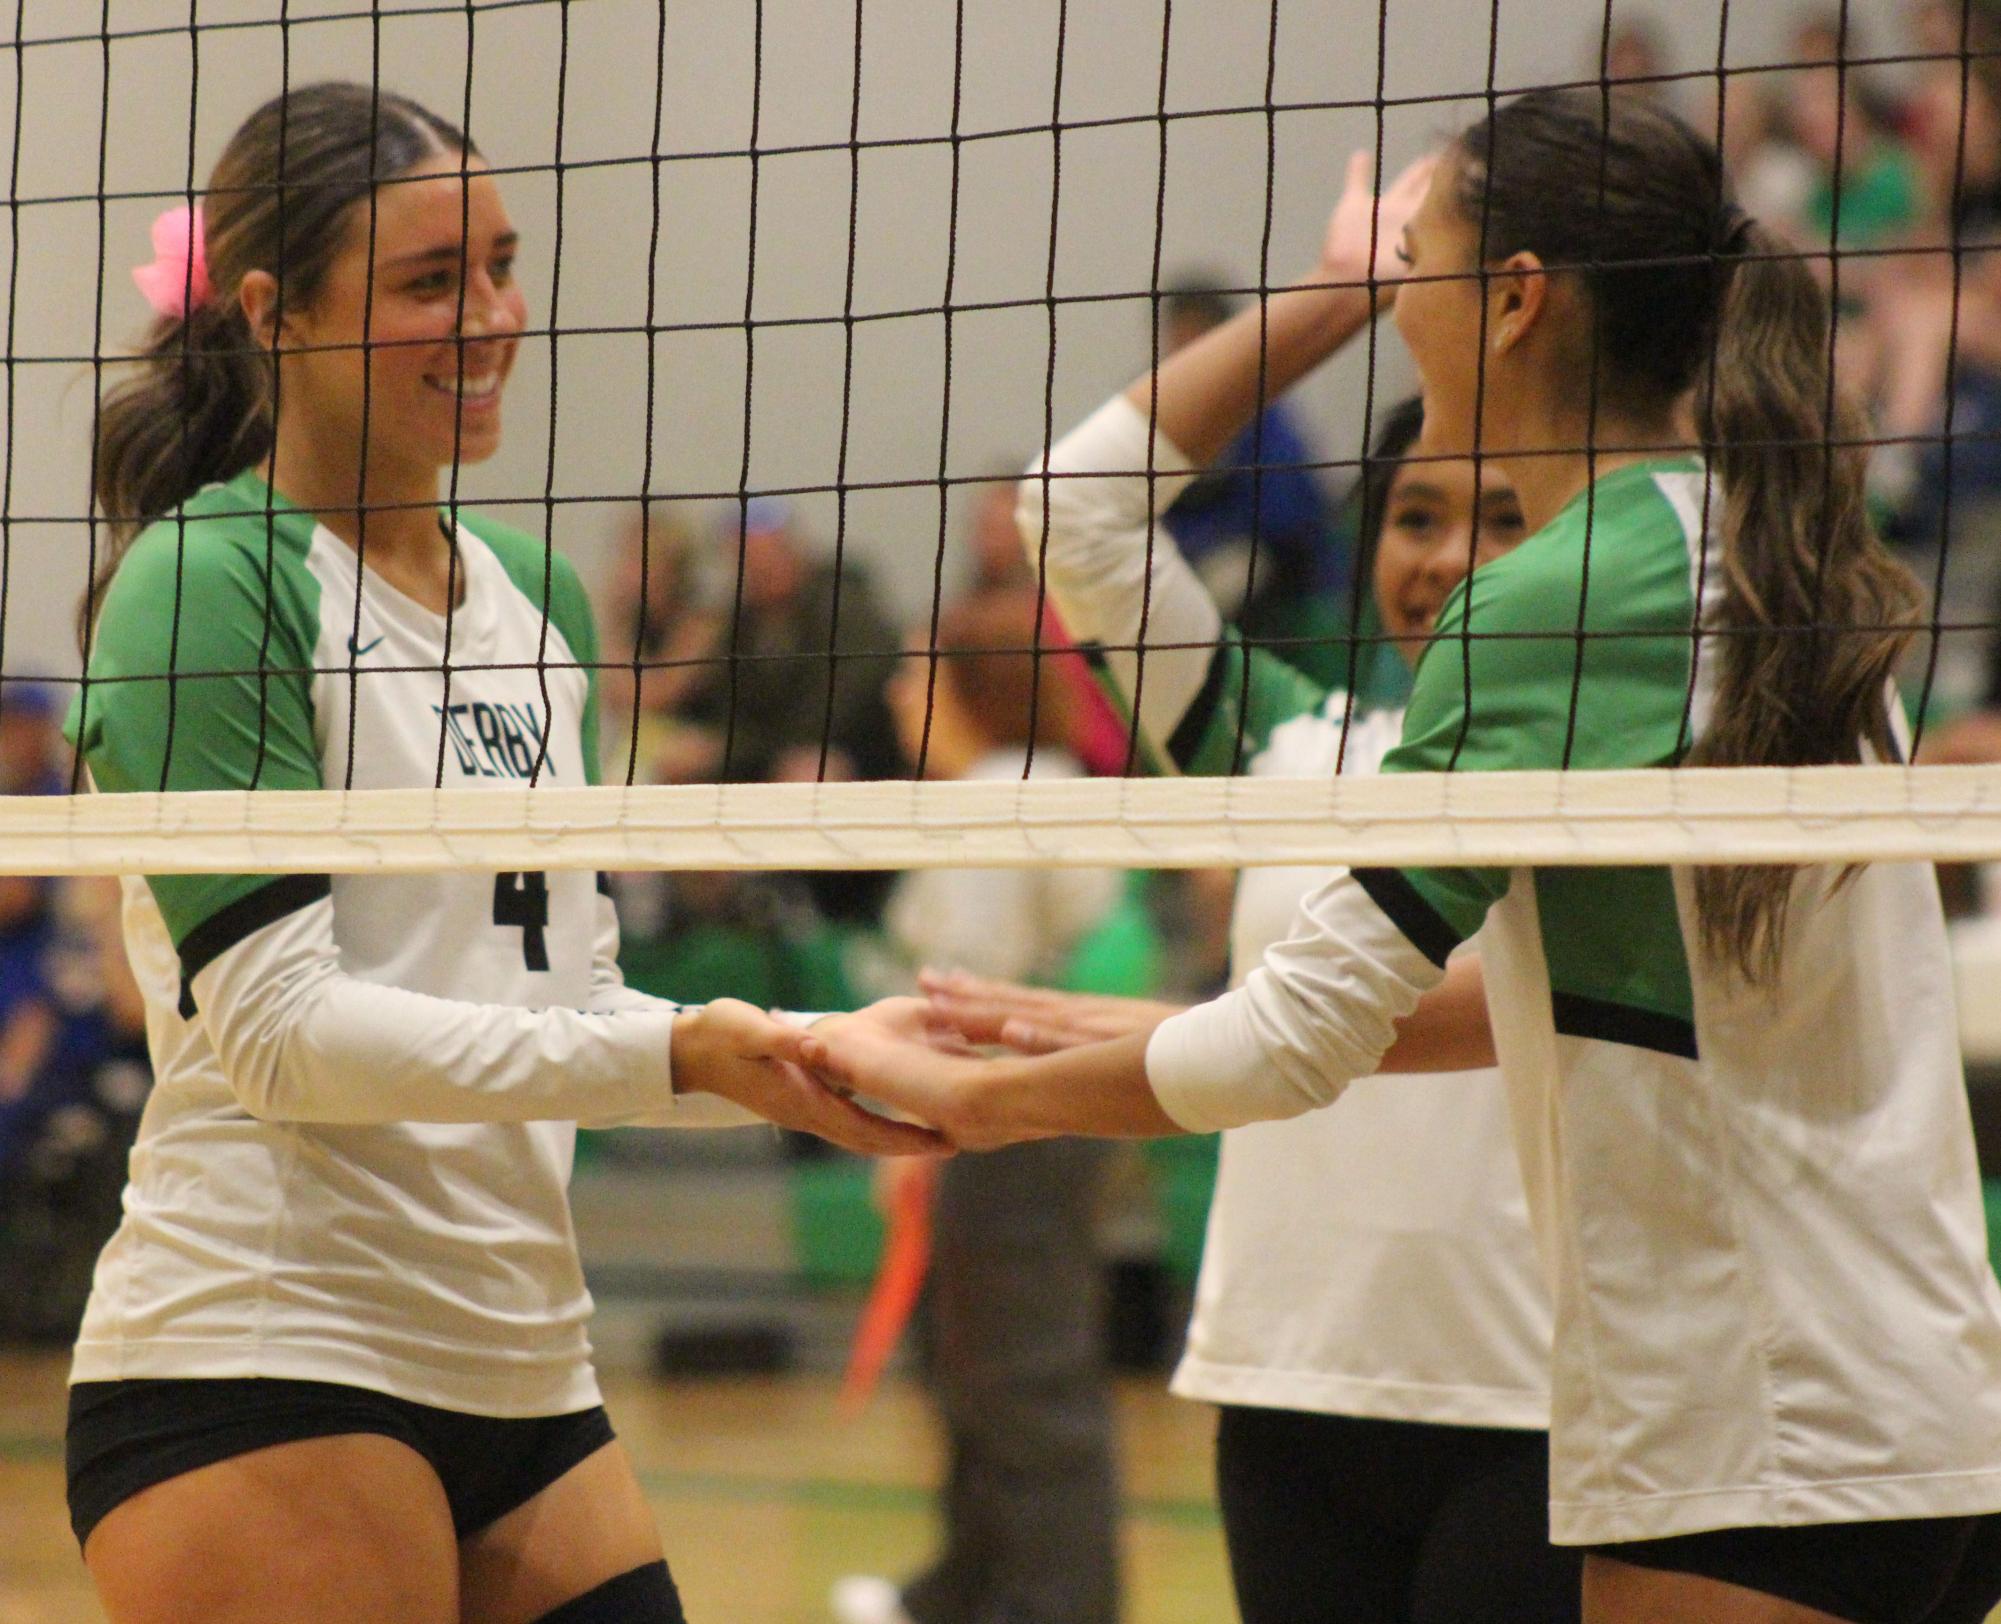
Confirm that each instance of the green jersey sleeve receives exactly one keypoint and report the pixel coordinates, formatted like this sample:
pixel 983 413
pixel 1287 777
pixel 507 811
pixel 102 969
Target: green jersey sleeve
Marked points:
pixel 1248 693
pixel 200 678
pixel 1551 658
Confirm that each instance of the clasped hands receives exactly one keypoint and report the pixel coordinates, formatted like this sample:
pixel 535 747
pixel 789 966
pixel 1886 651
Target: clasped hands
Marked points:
pixel 919 1065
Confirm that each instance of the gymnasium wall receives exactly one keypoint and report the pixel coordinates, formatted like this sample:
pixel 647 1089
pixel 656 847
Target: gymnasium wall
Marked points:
pixel 594 445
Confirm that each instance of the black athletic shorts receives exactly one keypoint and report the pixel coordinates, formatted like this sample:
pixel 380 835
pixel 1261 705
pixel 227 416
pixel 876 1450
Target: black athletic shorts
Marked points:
pixel 1927 1570
pixel 127 1436
pixel 1342 1519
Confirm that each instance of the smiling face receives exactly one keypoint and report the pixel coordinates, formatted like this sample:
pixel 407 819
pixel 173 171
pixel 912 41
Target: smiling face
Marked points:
pixel 442 315
pixel 1440 520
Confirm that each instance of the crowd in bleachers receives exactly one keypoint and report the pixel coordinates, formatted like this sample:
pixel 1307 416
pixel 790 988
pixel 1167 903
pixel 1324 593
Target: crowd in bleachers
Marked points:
pixel 1879 155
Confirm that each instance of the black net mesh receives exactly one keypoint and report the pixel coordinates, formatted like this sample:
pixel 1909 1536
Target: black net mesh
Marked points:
pixel 803 289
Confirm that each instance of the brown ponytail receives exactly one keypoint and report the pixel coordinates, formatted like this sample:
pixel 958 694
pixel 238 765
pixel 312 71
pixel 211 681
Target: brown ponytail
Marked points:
pixel 1687 295
pixel 197 405
pixel 196 409
pixel 1812 604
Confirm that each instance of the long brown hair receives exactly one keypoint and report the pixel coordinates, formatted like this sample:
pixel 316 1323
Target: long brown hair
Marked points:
pixel 1688 295
pixel 197 405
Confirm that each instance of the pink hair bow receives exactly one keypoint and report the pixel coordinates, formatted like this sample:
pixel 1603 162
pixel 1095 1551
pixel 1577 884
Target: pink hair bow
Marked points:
pixel 177 280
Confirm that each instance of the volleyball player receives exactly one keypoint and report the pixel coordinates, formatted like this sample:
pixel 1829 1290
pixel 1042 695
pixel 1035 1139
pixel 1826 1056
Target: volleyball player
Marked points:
pixel 1383 1371
pixel 335 1366
pixel 1776 1390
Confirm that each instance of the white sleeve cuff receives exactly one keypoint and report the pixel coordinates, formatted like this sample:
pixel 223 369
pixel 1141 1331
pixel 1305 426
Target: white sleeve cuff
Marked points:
pixel 1209 1073
pixel 1319 1012
pixel 1113 441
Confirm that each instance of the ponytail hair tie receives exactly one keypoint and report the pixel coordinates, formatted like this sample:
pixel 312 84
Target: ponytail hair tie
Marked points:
pixel 176 283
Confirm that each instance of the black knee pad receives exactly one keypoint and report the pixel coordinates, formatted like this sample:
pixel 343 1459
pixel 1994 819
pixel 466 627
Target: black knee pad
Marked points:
pixel 643 1596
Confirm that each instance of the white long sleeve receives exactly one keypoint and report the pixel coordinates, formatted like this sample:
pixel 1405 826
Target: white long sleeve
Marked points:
pixel 1319 1012
pixel 302 1041
pixel 1100 505
pixel 611 996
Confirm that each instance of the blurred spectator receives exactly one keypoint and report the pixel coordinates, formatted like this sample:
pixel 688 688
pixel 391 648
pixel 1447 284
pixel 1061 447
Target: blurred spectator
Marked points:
pixel 1930 313
pixel 660 640
pixel 74 1077
pixel 34 760
pixel 1256 526
pixel 799 631
pixel 1962 172
pixel 695 936
pixel 1834 118
pixel 1002 562
pixel 1031 1506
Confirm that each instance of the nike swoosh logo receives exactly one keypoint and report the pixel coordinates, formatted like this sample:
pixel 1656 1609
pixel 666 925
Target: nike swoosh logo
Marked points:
pixel 364 648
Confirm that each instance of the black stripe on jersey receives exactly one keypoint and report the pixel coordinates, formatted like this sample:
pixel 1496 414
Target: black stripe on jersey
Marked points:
pixel 1427 929
pixel 223 929
pixel 1188 733
pixel 1576 1016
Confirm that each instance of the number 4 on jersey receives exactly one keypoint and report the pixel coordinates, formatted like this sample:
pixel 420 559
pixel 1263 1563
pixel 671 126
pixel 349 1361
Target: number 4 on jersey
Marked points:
pixel 523 899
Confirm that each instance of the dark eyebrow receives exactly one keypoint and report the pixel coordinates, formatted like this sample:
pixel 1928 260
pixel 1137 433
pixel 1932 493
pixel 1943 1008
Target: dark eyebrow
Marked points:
pixel 450 253
pixel 1407 488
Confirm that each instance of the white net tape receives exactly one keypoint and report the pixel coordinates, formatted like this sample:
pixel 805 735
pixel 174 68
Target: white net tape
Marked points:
pixel 1736 815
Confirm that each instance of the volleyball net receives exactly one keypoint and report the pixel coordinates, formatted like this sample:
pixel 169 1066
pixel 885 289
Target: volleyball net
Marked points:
pixel 807 285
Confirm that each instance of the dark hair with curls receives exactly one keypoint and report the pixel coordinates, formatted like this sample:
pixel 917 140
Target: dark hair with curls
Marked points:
pixel 1689 299
pixel 198 405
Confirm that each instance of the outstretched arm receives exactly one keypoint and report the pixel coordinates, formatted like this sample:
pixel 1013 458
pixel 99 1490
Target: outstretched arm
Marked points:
pixel 1089 518
pixel 1448 1031
pixel 1347 996
pixel 299 1040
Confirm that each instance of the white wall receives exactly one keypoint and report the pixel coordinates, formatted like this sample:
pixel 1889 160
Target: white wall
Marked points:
pixel 1212 214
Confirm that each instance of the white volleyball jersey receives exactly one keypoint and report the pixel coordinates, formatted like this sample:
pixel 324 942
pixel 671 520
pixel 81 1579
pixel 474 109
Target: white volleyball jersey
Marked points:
pixel 1374 1258
pixel 354 1164
pixel 1761 1208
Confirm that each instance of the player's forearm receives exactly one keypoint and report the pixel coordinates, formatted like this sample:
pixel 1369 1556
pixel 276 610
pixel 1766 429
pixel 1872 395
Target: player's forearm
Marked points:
pixel 301 1041
pixel 1100 1090
pixel 1204 395
pixel 687 1106
pixel 1449 1029
pixel 1319 1012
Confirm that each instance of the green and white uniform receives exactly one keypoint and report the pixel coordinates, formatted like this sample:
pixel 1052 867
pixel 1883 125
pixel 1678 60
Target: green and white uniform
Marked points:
pixel 354 1164
pixel 1373 1259
pixel 1761 1214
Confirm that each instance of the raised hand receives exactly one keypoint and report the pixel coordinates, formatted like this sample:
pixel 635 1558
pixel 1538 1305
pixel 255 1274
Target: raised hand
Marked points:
pixel 734 1050
pixel 1365 231
pixel 1034 1020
